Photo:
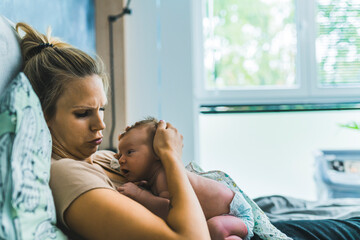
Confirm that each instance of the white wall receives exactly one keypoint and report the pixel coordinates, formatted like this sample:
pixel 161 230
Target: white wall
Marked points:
pixel 158 65
pixel 272 153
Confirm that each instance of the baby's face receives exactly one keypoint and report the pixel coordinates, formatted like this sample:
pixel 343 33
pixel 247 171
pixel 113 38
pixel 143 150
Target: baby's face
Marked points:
pixel 136 155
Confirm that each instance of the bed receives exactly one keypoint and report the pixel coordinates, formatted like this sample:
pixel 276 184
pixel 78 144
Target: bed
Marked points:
pixel 312 220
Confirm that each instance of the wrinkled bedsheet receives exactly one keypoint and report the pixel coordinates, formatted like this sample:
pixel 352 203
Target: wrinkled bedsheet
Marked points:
pixel 283 208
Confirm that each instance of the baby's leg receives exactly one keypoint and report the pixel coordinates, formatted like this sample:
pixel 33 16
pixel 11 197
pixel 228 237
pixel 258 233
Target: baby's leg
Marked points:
pixel 226 227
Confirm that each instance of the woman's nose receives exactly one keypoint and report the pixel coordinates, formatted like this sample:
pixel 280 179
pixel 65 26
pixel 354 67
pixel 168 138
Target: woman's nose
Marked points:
pixel 98 124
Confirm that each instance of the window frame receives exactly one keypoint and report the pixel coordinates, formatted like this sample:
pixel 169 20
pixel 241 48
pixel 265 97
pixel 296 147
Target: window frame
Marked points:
pixel 307 91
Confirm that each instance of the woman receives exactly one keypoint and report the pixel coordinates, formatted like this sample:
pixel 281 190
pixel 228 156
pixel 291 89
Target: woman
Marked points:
pixel 72 87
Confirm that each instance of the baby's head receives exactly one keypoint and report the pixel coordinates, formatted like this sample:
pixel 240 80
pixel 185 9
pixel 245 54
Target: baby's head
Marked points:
pixel 135 150
pixel 149 122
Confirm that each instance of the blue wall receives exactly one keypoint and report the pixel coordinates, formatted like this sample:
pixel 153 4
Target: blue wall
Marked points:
pixel 71 20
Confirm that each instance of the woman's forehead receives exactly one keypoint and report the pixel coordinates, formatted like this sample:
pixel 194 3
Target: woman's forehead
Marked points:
pixel 83 92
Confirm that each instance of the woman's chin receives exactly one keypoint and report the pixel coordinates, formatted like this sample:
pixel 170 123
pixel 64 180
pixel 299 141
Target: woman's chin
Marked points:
pixel 88 151
pixel 94 149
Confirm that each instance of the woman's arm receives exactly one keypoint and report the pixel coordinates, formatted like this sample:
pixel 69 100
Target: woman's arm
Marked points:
pixel 107 214
pixel 184 205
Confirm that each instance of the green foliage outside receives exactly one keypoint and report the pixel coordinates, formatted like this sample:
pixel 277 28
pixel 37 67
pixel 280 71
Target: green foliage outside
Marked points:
pixel 352 125
pixel 252 43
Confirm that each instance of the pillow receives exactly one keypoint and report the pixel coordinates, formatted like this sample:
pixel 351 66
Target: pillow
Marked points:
pixel 26 205
pixel 10 53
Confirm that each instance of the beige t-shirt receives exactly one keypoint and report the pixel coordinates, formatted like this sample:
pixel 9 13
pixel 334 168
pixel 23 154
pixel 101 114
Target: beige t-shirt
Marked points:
pixel 70 178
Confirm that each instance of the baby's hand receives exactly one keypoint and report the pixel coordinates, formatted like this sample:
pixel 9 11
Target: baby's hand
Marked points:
pixel 131 190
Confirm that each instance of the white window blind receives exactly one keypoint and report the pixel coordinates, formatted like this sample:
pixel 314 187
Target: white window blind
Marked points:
pixel 338 43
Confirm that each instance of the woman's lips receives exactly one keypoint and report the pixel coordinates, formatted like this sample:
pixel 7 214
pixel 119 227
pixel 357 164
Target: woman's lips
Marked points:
pixel 97 141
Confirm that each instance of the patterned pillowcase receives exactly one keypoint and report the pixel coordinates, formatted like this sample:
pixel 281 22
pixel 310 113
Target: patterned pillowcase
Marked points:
pixel 26 205
pixel 262 225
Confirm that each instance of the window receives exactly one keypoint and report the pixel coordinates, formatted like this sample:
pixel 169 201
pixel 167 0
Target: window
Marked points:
pixel 279 51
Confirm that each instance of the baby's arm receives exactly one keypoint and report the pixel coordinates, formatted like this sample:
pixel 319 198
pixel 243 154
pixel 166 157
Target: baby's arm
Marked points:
pixel 160 185
pixel 157 205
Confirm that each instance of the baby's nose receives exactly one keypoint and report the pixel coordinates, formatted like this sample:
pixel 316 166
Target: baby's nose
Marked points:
pixel 122 160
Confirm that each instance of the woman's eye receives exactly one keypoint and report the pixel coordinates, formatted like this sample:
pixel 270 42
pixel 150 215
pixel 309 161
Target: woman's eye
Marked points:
pixel 82 114
pixel 102 109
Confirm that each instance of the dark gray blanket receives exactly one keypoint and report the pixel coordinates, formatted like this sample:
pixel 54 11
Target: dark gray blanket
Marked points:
pixel 283 208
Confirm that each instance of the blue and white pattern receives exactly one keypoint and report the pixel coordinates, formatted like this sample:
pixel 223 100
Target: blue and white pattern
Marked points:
pixel 240 208
pixel 27 208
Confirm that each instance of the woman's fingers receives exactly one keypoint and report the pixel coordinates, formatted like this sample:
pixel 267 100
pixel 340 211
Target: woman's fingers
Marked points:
pixel 167 139
pixel 161 124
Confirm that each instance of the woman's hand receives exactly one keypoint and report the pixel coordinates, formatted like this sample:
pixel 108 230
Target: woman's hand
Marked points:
pixel 167 140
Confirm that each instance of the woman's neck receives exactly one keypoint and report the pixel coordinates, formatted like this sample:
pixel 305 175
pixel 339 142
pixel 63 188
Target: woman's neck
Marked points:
pixel 59 150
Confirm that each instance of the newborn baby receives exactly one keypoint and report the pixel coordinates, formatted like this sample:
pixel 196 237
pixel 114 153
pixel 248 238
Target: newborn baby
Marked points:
pixel 228 214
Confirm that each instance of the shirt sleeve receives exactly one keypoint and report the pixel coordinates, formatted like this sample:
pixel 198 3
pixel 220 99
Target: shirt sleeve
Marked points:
pixel 71 178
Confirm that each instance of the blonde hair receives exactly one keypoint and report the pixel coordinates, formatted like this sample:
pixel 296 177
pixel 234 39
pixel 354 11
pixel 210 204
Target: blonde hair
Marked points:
pixel 50 64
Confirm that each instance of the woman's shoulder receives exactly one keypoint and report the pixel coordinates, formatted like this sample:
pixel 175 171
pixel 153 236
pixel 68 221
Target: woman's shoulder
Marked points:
pixel 64 163
pixel 75 174
pixel 103 155
pixel 72 168
pixel 68 164
pixel 102 164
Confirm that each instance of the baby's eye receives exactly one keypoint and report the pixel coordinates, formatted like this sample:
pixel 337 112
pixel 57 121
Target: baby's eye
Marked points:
pixel 130 151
